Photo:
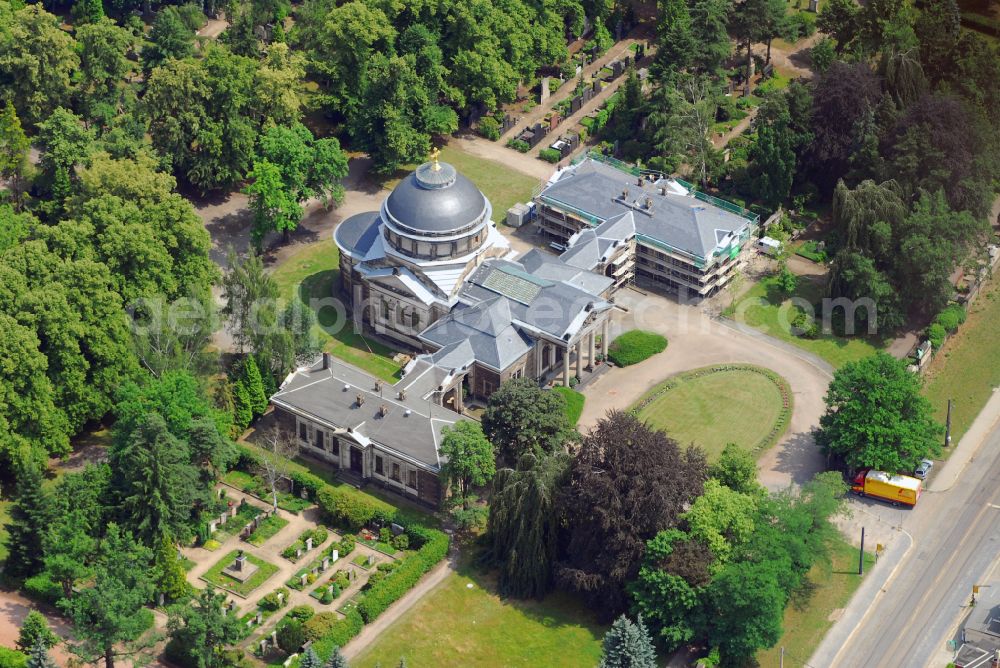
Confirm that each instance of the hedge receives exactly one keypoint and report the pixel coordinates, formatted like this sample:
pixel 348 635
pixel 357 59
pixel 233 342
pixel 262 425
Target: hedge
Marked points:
pixel 951 317
pixel 337 634
pixel 308 481
pixel 635 346
pixel 398 582
pixel 550 155
pixel 936 335
pixel 11 658
pixel 342 508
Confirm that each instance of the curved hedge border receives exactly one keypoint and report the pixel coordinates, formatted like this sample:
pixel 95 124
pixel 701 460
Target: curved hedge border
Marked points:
pixel 780 424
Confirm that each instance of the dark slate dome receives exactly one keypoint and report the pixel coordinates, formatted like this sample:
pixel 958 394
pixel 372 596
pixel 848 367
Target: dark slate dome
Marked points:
pixel 435 199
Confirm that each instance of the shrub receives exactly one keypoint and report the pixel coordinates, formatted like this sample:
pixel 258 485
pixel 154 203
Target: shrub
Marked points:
pixel 271 602
pixel 803 24
pixel 320 625
pixel 346 546
pixel 306 480
pixel 385 534
pixel 246 459
pixel 339 634
pixel 804 325
pixel 635 346
pixel 326 598
pixel 550 155
pixel 290 635
pixel 11 658
pixel 301 613
pixel 401 542
pixel 823 54
pixel 951 317
pixel 41 588
pixel 399 581
pixel 343 508
pixel 489 128
pixel 936 334
pixel 518 145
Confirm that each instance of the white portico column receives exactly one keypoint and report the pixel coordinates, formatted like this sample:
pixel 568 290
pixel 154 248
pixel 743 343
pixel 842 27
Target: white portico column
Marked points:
pixel 590 358
pixel 566 367
pixel 604 338
pixel 579 358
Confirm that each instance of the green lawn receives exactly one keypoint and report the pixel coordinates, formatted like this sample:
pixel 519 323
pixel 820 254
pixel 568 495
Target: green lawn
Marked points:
pixel 312 273
pixel 807 618
pixel 455 625
pixel 713 409
pixel 766 308
pixel 968 366
pixel 215 576
pixel 574 403
pixel 267 529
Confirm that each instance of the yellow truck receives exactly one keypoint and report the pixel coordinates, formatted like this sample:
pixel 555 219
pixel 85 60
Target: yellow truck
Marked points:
pixel 896 489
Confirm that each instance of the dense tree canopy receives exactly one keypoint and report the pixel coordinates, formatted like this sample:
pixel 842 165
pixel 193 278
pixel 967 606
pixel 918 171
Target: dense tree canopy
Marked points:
pixel 626 484
pixel 876 416
pixel 521 418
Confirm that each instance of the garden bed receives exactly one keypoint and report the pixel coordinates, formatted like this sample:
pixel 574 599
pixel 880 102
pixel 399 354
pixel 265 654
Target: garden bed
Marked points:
pixel 810 251
pixel 342 553
pixel 341 582
pixel 296 550
pixel 267 529
pixel 216 577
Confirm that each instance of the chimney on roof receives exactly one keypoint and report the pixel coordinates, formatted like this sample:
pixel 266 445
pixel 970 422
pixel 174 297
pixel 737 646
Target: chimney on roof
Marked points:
pixel 648 203
pixel 378 386
pixel 383 410
pixel 326 360
pixel 624 193
pixel 402 395
pixel 663 190
pixel 360 399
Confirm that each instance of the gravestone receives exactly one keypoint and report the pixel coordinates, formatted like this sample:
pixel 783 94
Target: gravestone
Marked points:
pixel 232 511
pixel 354 574
pixel 211 528
pixel 274 637
pixel 249 623
pixel 326 563
pixel 222 519
pixel 371 559
pixel 241 561
pixel 263 646
pixel 159 599
pixel 298 552
pixel 396 529
pixel 309 543
pixel 281 598
pixel 813 6
pixel 240 570
pixel 335 555
pixel 259 618
pixel 304 578
pixel 303 493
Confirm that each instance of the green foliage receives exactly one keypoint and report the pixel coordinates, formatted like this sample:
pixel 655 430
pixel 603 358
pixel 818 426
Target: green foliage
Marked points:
pixel 951 317
pixel 153 481
pixel 339 635
pixel 290 635
pixel 342 508
pixel 470 459
pixel 876 416
pixel 336 660
pixel 519 145
pixel 822 55
pixel 627 645
pixel 29 518
pixel 936 335
pixel 736 469
pixel 199 632
pixel 489 127
pixel 43 588
pixel 635 346
pixel 271 602
pixel 110 613
pixel 39 657
pixel 574 403
pixel 721 518
pixel 550 155
pixel 521 418
pixel 14 144
pixel 35 630
pixel 302 613
pixel 523 524
pixel 391 588
pixel 170 577
pixel 169 38
pixel 11 658
pixel 255 386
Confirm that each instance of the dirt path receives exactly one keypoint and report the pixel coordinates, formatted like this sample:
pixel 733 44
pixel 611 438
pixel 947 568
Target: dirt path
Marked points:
pixel 213 28
pixel 14 608
pixel 696 340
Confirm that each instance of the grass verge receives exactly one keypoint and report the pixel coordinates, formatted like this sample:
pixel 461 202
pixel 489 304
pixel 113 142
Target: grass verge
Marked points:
pixel 767 308
pixel 462 622
pixel 810 614
pixel 267 529
pixel 967 368
pixel 574 403
pixel 313 273
pixel 215 576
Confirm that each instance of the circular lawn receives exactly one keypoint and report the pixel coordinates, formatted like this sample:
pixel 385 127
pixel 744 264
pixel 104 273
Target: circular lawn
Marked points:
pixel 710 407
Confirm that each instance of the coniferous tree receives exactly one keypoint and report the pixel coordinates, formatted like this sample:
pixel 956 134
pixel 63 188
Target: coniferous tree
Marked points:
pixel 39 657
pixel 628 645
pixel 30 516
pixel 243 415
pixel 310 659
pixel 254 385
pixel 336 659
pixel 35 630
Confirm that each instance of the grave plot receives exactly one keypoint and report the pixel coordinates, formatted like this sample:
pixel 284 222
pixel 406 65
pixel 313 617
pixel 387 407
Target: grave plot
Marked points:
pixel 239 573
pixel 307 541
pixel 309 574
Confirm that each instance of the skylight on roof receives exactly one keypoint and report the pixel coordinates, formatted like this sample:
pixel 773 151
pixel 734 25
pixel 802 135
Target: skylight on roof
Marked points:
pixel 513 286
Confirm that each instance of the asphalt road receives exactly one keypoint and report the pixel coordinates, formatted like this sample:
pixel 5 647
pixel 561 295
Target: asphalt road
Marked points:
pixel 956 538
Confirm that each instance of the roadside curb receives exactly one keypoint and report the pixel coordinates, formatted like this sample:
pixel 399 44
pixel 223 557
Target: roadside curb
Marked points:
pixel 807 357
pixel 843 630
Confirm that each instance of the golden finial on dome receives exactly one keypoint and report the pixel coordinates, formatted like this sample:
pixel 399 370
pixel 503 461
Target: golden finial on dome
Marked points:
pixel 435 154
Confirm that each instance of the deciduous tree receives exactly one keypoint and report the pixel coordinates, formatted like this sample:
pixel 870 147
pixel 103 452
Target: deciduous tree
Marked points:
pixel 521 418
pixel 471 460
pixel 876 416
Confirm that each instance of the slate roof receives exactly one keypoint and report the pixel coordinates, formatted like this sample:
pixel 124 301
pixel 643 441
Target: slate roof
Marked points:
pixel 358 234
pixel 544 265
pixel 320 394
pixel 675 218
pixel 484 332
pixel 591 246
pixel 444 203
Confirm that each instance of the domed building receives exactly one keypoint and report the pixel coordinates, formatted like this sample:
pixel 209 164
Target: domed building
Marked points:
pixel 402 268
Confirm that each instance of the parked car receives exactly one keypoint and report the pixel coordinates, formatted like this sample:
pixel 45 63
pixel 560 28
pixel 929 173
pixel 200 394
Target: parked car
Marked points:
pixel 923 469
